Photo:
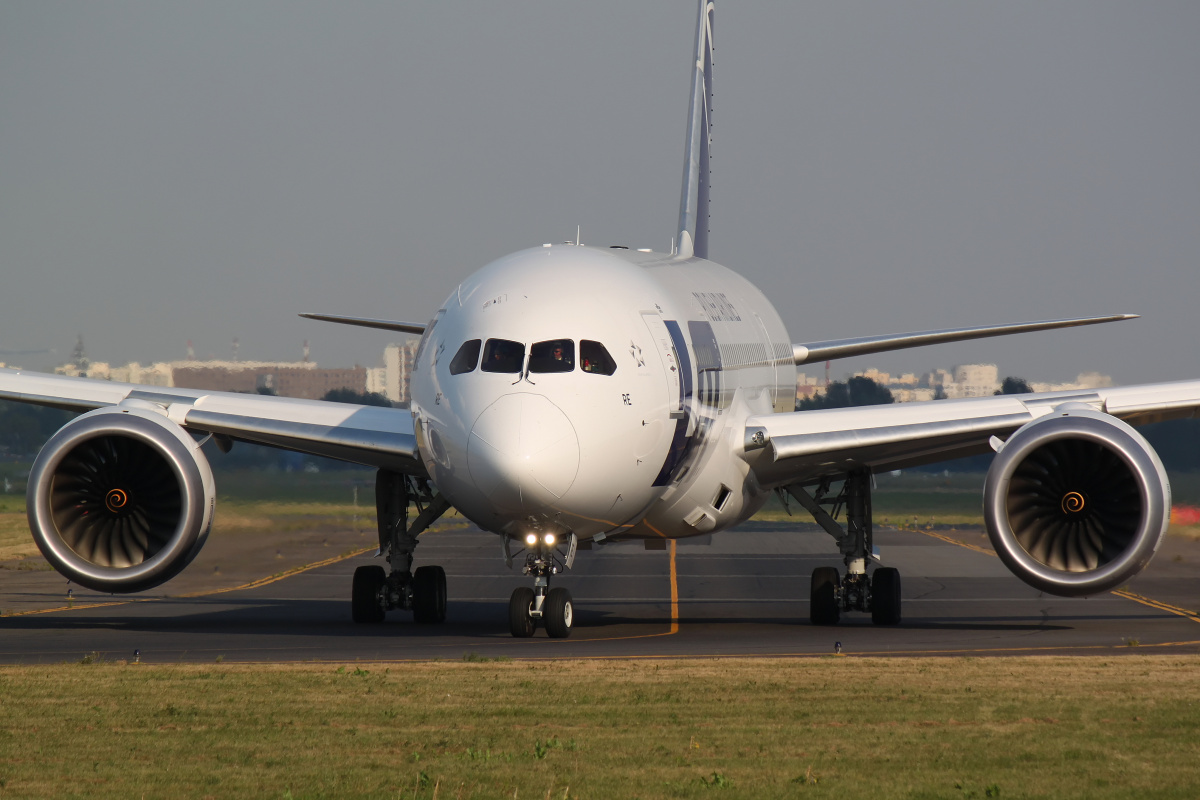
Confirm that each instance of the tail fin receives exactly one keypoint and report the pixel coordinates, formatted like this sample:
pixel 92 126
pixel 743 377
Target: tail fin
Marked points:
pixel 693 205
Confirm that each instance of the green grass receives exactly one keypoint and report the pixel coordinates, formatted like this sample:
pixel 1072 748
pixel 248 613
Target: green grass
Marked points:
pixel 826 727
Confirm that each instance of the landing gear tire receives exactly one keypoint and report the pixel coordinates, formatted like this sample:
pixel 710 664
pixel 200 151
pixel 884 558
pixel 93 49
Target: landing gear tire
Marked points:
pixel 365 605
pixel 823 608
pixel 520 622
pixel 885 596
pixel 429 595
pixel 558 613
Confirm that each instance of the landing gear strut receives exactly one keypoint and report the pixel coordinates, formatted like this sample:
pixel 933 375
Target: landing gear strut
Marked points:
pixel 551 607
pixel 423 592
pixel 832 594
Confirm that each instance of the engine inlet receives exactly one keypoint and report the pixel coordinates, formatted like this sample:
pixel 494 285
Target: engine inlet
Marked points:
pixel 1076 502
pixel 1047 505
pixel 120 499
pixel 97 519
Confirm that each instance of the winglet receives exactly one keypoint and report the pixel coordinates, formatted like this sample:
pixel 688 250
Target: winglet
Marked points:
pixel 693 204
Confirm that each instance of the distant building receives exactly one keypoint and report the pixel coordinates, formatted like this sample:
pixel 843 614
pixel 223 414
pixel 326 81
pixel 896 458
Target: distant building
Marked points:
pixel 808 386
pixel 154 375
pixel 973 380
pixel 1084 380
pixel 963 380
pixel 377 381
pixel 398 362
pixel 903 394
pixel 882 378
pixel 286 378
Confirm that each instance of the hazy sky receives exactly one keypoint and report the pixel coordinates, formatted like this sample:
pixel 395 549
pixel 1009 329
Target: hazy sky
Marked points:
pixel 175 171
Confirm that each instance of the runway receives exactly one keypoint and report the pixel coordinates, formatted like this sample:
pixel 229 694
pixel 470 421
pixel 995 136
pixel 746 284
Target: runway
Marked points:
pixel 740 593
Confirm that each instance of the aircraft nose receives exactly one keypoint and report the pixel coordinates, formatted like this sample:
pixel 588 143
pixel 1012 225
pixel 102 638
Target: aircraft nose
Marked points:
pixel 523 453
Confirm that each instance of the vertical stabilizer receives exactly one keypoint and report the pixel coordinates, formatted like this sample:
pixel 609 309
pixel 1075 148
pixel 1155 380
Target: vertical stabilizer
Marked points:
pixel 693 205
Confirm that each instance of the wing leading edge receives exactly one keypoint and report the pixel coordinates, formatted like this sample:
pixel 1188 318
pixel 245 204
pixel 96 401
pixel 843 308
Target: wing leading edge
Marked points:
pixel 866 345
pixel 366 322
pixel 804 445
pixel 377 437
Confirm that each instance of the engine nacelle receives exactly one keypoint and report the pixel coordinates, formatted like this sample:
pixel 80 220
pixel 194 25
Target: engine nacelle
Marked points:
pixel 120 499
pixel 1076 502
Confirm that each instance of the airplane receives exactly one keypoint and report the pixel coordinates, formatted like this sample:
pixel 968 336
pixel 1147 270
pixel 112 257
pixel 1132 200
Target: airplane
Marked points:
pixel 565 397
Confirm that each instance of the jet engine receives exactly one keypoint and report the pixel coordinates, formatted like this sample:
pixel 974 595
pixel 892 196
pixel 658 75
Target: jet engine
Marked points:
pixel 1076 502
pixel 120 499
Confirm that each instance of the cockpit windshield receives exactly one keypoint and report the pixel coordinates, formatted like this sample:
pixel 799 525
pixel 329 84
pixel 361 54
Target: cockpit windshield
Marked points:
pixel 555 355
pixel 466 358
pixel 595 358
pixel 502 355
pixel 552 355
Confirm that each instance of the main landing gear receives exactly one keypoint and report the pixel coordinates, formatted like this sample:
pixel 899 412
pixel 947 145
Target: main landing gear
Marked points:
pixel 551 607
pixel 423 592
pixel 831 594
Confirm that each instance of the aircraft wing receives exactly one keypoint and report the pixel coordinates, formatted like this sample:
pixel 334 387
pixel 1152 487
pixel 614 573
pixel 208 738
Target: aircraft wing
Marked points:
pixel 867 345
pixel 806 445
pixel 377 437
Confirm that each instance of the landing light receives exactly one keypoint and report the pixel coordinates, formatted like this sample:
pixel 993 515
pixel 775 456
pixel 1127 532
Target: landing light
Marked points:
pixel 531 539
pixel 549 540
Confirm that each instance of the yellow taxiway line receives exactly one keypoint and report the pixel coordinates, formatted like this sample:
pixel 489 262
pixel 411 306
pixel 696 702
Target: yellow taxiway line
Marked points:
pixel 1122 593
pixel 207 593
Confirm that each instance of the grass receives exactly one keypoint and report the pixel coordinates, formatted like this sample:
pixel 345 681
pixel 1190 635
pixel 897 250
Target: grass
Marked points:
pixel 827 727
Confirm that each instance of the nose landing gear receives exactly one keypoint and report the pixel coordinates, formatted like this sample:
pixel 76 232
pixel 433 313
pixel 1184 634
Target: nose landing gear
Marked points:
pixel 553 608
pixel 423 592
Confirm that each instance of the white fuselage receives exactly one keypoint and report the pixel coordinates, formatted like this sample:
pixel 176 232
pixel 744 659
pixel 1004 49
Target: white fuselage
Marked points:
pixel 637 438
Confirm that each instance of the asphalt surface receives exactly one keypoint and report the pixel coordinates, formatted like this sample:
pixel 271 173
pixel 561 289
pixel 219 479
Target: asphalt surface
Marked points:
pixel 740 593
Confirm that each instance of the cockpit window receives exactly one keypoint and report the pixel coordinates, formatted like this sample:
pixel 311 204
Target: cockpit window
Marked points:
pixel 428 335
pixel 595 359
pixel 501 355
pixel 556 355
pixel 466 358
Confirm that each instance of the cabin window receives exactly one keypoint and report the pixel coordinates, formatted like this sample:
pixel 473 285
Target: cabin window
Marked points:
pixel 502 355
pixel 595 359
pixel 466 358
pixel 555 355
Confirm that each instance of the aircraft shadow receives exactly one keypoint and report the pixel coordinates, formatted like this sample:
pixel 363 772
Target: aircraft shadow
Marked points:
pixel 328 618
